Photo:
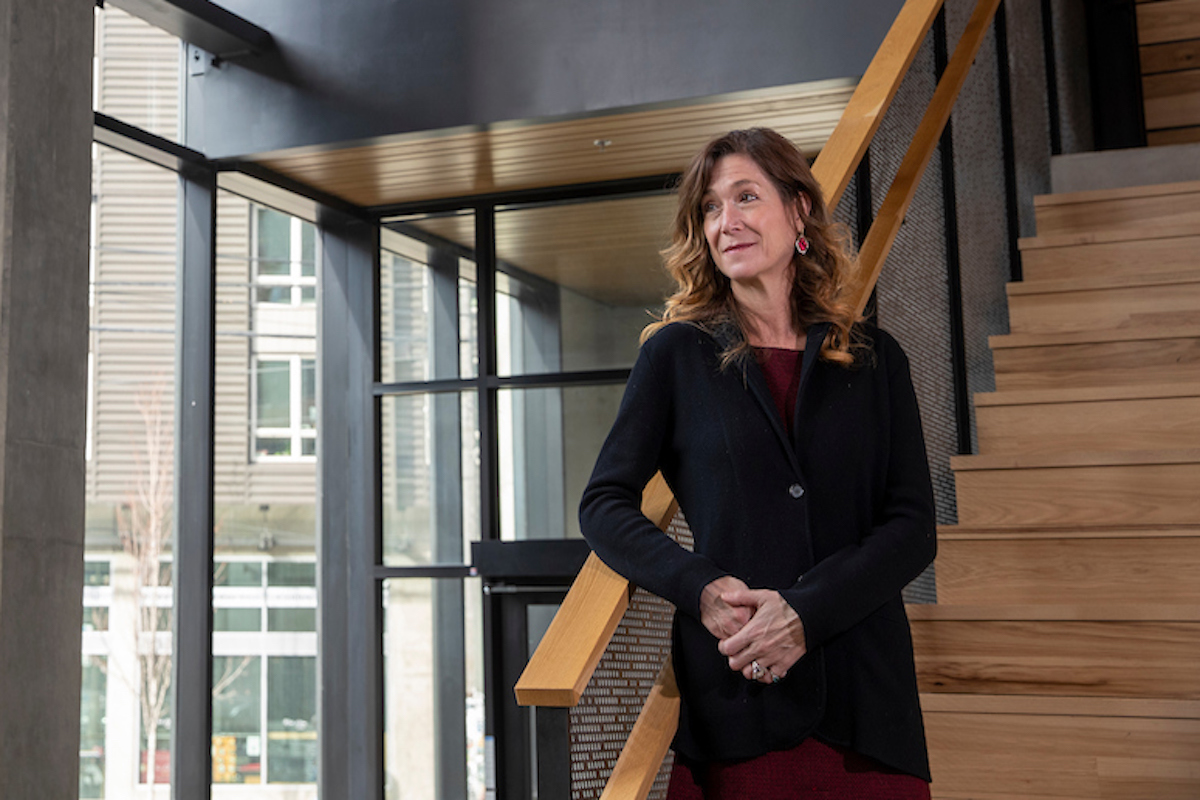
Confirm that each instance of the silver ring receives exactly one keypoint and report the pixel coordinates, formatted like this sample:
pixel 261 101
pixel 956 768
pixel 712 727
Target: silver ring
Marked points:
pixel 756 671
pixel 774 678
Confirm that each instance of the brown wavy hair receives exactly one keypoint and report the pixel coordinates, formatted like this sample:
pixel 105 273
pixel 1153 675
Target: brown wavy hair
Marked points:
pixel 821 278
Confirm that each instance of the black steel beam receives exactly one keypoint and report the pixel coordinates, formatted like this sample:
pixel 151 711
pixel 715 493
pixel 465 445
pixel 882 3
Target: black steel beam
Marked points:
pixel 350 623
pixel 142 144
pixel 267 175
pixel 954 305
pixel 191 684
pixel 597 377
pixel 204 24
pixel 1050 54
pixel 1012 209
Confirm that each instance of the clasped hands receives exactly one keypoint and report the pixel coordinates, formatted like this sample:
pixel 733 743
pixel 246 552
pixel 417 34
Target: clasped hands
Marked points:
pixel 752 626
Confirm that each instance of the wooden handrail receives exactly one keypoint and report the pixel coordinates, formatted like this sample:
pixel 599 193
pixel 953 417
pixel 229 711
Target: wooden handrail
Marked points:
pixel 840 157
pixel 904 186
pixel 556 675
pixel 565 659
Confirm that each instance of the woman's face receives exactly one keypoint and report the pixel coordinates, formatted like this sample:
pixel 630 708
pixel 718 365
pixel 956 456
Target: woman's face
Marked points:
pixel 751 231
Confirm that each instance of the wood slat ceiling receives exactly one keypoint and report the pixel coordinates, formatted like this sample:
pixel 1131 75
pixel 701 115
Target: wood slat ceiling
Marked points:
pixel 528 155
pixel 605 250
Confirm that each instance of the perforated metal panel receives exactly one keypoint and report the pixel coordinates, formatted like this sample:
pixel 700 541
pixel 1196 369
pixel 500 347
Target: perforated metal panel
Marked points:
pixel 601 722
pixel 981 208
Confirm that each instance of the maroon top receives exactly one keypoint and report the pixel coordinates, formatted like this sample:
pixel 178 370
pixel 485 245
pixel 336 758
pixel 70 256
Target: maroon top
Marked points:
pixel 781 368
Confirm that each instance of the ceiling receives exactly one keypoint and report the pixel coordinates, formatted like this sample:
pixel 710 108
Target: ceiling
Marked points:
pixel 606 250
pixel 513 156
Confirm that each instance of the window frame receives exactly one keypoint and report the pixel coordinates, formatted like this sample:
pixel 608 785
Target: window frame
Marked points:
pixel 295 432
pixel 294 279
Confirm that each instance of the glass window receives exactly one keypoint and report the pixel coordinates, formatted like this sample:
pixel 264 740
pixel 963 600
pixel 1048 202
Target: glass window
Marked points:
pixel 292 720
pixel 285 258
pixel 237 619
pixel 428 309
pixel 286 573
pixel 274 394
pixel 237 720
pixel 96 573
pixel 433 687
pixel 91 728
pixel 264 498
pixel 430 478
pixel 274 241
pixel 291 619
pixel 285 407
pixel 549 439
pixel 127 620
pixel 577 282
pixel 237 573
pixel 138 71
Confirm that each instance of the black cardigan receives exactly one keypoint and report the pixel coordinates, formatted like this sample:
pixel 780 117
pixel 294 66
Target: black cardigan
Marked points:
pixel 839 520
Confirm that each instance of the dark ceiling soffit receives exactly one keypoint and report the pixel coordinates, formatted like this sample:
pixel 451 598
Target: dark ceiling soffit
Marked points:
pixel 204 24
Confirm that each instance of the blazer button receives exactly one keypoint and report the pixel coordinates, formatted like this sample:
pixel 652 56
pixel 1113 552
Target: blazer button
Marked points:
pixel 796 490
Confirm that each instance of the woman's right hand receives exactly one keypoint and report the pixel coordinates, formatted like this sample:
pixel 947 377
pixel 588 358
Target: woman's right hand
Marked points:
pixel 720 618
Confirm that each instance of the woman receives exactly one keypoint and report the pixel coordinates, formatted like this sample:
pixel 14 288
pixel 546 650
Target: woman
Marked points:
pixel 789 433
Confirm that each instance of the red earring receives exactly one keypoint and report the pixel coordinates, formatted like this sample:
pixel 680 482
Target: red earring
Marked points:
pixel 801 244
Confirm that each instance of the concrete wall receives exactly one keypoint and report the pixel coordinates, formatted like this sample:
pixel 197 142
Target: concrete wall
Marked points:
pixel 45 52
pixel 366 68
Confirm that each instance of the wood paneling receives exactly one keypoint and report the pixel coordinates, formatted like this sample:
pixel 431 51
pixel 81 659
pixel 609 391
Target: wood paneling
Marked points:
pixel 1168 21
pixel 1052 657
pixel 1004 756
pixel 1172 99
pixel 1134 209
pixel 516 156
pixel 1112 494
pixel 1129 423
pixel 1110 255
pixel 1160 300
pixel 1069 360
pixel 1170 57
pixel 1058 569
pixel 1174 136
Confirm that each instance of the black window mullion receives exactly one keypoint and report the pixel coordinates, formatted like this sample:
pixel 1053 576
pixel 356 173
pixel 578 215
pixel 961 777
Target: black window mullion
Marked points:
pixel 485 293
pixel 191 729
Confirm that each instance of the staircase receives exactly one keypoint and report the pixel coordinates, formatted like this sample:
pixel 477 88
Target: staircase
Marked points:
pixel 1063 657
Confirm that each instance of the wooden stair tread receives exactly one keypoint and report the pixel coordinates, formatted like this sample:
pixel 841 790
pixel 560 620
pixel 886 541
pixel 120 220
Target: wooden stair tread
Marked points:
pixel 1083 531
pixel 1124 193
pixel 1086 394
pixel 1144 333
pixel 1056 240
pixel 1092 458
pixel 1102 283
pixel 1056 612
pixel 1050 705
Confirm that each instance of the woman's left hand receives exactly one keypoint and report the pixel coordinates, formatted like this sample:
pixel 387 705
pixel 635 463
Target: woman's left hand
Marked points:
pixel 773 638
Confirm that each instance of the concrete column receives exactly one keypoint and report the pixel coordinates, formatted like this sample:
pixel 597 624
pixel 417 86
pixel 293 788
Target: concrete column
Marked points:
pixel 45 178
